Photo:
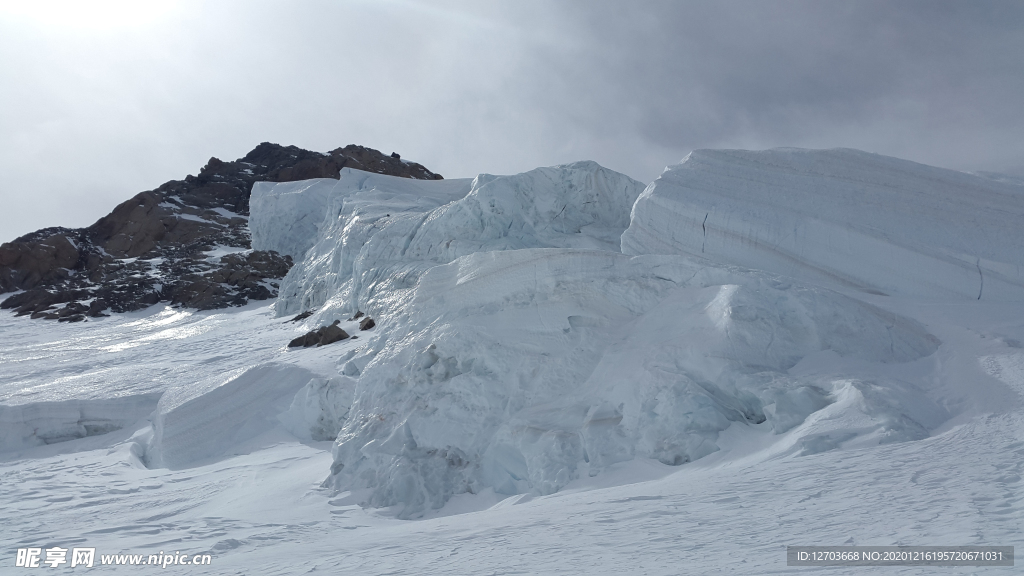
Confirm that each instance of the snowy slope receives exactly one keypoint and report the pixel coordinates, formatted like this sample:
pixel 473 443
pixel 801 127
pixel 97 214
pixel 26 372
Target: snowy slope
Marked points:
pixel 734 511
pixel 113 373
pixel 842 217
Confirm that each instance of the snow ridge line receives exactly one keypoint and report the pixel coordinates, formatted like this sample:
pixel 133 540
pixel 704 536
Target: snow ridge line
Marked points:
pixel 980 276
pixel 703 226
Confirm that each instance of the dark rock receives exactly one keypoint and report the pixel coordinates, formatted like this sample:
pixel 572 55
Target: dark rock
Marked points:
pixel 357 316
pixel 152 247
pixel 24 265
pixel 238 279
pixel 96 308
pixel 331 334
pixel 302 316
pixel 366 323
pixel 322 336
pixel 312 338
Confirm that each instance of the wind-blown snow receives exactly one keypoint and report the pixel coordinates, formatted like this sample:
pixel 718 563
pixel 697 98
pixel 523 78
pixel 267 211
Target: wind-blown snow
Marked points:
pixel 842 217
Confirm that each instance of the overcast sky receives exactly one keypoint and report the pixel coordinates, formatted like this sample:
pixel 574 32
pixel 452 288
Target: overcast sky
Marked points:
pixel 102 102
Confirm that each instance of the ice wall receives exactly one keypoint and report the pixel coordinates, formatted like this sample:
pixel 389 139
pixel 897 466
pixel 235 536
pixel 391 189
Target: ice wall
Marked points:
pixel 517 348
pixel 380 233
pixel 522 370
pixel 840 217
pixel 285 216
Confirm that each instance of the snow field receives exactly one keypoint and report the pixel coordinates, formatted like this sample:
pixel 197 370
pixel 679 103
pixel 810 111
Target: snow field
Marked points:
pixel 733 511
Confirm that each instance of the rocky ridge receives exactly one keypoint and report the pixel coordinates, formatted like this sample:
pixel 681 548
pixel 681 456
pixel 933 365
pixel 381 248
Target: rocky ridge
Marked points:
pixel 186 243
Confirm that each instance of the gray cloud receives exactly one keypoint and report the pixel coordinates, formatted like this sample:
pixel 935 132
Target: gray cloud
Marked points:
pixel 87 117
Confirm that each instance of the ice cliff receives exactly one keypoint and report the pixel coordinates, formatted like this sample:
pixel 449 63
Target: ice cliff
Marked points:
pixel 517 347
pixel 375 234
pixel 839 217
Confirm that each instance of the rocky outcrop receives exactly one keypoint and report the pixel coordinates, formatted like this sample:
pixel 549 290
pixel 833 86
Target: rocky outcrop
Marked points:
pixel 185 243
pixel 24 265
pixel 320 337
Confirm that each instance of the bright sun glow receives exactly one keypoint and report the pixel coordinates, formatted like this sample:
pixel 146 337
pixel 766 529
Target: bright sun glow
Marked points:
pixel 85 15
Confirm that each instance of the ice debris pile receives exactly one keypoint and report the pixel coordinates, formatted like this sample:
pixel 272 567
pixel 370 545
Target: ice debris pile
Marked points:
pixel 523 345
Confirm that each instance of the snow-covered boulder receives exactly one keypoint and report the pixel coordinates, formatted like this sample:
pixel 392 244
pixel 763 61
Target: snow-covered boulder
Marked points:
pixel 839 217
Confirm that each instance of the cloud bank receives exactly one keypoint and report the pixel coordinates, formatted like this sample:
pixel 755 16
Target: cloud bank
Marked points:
pixel 100 105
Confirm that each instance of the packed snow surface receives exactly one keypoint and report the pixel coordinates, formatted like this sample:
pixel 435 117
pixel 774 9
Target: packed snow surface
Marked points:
pixel 537 399
pixel 844 217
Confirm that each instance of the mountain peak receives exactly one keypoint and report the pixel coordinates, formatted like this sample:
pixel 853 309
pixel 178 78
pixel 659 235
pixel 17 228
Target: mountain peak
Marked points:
pixel 187 242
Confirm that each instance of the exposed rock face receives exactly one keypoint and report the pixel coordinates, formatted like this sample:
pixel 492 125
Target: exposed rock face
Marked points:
pixel 322 336
pixel 366 323
pixel 187 242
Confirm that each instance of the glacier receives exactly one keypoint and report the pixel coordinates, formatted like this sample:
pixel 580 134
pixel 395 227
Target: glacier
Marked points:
pixel 499 306
pixel 570 371
pixel 378 233
pixel 840 217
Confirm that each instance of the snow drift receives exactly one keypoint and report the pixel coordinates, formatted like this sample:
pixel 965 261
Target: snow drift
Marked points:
pixel 840 217
pixel 48 422
pixel 223 415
